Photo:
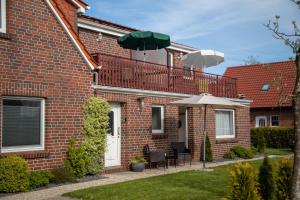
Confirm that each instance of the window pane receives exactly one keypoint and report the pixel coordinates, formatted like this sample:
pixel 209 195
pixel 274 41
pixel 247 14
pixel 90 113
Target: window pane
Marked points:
pixel 275 121
pixel 21 123
pixel 153 56
pixel 224 123
pixel 156 118
pixel 111 123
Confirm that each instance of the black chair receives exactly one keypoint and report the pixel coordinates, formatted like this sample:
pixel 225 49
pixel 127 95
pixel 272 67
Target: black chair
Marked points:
pixel 157 156
pixel 181 152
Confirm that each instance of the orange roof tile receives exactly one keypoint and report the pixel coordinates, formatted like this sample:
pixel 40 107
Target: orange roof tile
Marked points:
pixel 281 76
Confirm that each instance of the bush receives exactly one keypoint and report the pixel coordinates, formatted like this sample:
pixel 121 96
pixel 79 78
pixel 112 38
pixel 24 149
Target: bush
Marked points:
pixel 243 182
pixel 13 174
pixel 242 152
pixel 284 179
pixel 274 137
pixel 77 158
pixel 229 155
pixel 261 143
pixel 266 180
pixel 40 178
pixel 95 129
pixel 138 159
pixel 63 174
pixel 208 151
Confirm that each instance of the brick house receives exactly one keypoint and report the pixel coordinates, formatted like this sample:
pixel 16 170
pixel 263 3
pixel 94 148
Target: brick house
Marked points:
pixel 270 87
pixel 52 58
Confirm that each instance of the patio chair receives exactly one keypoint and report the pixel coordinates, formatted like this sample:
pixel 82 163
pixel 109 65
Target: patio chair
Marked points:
pixel 181 152
pixel 155 156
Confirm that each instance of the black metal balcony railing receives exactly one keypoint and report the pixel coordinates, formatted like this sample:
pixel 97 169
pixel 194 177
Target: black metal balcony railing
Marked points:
pixel 122 72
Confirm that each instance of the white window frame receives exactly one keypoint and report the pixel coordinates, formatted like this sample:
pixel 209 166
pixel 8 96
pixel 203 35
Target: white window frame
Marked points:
pixel 160 131
pixel 233 124
pixel 271 120
pixel 3 16
pixel 260 117
pixel 42 131
pixel 171 59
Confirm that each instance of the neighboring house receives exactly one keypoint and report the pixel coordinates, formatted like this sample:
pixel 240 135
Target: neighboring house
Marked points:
pixel 47 73
pixel 270 87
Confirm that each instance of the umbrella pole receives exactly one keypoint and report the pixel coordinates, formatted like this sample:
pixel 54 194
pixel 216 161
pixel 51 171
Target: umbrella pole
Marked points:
pixel 204 137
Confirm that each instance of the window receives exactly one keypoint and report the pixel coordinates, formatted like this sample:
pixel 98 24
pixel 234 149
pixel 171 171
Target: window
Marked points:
pixel 274 120
pixel 3 16
pixel 225 127
pixel 265 87
pixel 260 121
pixel 158 56
pixel 157 119
pixel 188 71
pixel 23 124
pixel 170 59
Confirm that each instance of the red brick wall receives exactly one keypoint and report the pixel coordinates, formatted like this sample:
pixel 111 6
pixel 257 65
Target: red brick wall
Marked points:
pixel 137 124
pixel 108 44
pixel 219 146
pixel 38 59
pixel 136 127
pixel 69 11
pixel 286 117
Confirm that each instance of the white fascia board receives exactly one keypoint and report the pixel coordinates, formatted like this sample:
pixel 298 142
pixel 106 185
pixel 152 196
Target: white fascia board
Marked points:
pixel 80 8
pixel 119 32
pixel 111 89
pixel 70 35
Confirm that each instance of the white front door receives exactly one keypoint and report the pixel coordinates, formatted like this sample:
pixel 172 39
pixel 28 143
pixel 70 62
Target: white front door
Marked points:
pixel 113 147
pixel 260 121
pixel 182 131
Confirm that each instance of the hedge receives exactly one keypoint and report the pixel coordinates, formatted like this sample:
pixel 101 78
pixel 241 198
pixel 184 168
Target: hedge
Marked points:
pixel 274 137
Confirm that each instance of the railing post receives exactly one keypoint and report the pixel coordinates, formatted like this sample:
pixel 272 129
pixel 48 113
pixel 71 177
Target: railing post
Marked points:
pixel 169 78
pixel 217 85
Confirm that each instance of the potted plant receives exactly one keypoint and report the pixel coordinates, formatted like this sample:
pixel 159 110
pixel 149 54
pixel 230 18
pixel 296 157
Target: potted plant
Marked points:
pixel 138 164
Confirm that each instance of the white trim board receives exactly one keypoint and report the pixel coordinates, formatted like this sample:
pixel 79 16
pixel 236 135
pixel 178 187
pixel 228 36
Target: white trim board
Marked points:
pixel 70 35
pixel 3 16
pixel 110 89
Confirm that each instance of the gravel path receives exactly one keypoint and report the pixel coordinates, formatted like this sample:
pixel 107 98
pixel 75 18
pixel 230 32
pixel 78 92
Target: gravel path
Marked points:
pixel 55 193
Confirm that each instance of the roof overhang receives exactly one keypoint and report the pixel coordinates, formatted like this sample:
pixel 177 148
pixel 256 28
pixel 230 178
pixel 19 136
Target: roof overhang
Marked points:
pixel 80 5
pixel 86 24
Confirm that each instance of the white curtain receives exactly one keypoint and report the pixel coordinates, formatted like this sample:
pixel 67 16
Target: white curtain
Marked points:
pixel 224 123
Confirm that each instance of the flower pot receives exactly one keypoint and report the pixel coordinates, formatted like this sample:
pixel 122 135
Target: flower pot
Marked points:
pixel 138 167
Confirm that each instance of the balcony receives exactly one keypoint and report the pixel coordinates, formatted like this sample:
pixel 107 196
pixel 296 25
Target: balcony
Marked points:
pixel 126 73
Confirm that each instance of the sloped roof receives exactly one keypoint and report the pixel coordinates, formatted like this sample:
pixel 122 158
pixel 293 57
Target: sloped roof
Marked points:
pixel 72 33
pixel 281 77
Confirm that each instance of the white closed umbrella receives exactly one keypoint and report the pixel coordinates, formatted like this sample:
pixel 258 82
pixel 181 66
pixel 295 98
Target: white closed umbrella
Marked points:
pixel 206 99
pixel 203 58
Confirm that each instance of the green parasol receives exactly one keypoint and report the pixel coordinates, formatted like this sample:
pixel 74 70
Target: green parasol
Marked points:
pixel 144 40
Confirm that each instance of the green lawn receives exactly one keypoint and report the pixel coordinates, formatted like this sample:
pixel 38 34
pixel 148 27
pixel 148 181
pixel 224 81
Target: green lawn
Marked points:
pixel 271 151
pixel 189 185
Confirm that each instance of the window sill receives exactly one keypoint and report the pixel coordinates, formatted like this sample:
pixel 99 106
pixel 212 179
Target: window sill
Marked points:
pixel 226 140
pixel 28 154
pixel 5 36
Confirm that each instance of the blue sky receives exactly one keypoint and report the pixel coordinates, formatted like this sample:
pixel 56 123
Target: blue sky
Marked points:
pixel 234 27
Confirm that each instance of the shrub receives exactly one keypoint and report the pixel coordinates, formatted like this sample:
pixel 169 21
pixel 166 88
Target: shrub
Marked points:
pixel 63 174
pixel 13 174
pixel 40 178
pixel 138 159
pixel 208 151
pixel 266 180
pixel 77 158
pixel 275 137
pixel 261 143
pixel 95 129
pixel 242 152
pixel 229 155
pixel 284 179
pixel 243 182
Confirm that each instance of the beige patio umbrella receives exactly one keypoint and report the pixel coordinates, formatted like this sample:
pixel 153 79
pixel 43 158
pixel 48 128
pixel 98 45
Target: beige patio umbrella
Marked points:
pixel 206 99
pixel 203 58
